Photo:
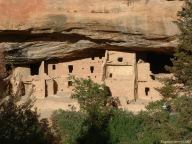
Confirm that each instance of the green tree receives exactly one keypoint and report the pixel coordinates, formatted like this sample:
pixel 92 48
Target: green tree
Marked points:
pixel 182 61
pixel 69 125
pixel 181 82
pixel 173 122
pixel 91 96
pixel 162 124
pixel 19 124
pixel 93 99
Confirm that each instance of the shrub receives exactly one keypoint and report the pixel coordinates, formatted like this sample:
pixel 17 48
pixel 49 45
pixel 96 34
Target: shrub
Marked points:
pixel 162 124
pixel 157 105
pixel 90 95
pixel 19 124
pixel 124 127
pixel 148 127
pixel 93 99
pixel 69 125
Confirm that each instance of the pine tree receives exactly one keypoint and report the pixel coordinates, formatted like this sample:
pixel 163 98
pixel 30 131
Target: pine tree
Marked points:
pixel 182 61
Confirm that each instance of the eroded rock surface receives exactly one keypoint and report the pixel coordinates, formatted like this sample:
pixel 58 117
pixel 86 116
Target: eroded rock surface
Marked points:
pixel 34 30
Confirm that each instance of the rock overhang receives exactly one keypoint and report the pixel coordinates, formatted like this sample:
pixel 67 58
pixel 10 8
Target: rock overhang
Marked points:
pixel 42 29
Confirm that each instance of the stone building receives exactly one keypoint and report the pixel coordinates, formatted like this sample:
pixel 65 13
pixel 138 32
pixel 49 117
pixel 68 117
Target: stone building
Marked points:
pixel 127 74
pixel 120 75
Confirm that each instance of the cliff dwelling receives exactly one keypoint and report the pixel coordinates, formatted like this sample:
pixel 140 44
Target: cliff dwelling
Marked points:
pixel 129 75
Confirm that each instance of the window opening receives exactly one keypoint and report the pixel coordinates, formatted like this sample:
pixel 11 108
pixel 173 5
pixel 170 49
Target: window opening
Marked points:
pixel 70 83
pixel 70 68
pixel 55 87
pixel 92 69
pixel 46 67
pixel 147 89
pixel 53 67
pixel 120 59
pixel 34 68
pixel 152 77
pixel 46 89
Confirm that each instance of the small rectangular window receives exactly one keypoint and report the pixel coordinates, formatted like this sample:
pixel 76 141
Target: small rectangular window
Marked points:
pixel 92 69
pixel 53 67
pixel 147 89
pixel 110 75
pixel 70 68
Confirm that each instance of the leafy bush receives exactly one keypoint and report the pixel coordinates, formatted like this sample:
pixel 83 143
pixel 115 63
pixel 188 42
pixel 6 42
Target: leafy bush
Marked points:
pixel 174 124
pixel 157 105
pixel 19 124
pixel 148 127
pixel 124 127
pixel 93 99
pixel 90 95
pixel 69 125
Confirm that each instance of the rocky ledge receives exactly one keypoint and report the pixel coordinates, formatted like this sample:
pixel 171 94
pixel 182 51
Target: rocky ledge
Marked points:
pixel 33 30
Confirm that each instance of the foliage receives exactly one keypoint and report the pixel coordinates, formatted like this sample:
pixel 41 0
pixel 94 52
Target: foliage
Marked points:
pixel 124 127
pixel 182 62
pixel 157 105
pixel 121 127
pixel 93 99
pixel 148 127
pixel 167 120
pixel 69 125
pixel 91 124
pixel 181 83
pixel 76 128
pixel 182 105
pixel 94 129
pixel 19 124
pixel 154 125
pixel 169 89
pixel 91 96
pixel 168 125
pixel 173 122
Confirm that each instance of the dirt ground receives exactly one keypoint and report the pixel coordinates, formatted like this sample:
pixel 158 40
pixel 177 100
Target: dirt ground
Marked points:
pixel 47 106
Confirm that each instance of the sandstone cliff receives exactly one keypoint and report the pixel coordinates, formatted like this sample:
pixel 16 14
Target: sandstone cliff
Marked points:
pixel 32 30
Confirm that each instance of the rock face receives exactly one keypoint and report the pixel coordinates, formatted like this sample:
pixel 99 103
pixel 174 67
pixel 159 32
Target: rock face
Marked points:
pixel 34 30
